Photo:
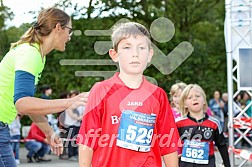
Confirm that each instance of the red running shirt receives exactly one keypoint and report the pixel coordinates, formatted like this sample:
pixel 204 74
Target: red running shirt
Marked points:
pixel 100 123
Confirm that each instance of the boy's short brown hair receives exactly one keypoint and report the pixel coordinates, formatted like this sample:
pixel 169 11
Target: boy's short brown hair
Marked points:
pixel 125 30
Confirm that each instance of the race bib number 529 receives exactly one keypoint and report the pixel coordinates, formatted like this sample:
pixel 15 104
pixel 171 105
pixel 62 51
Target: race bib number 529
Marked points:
pixel 135 131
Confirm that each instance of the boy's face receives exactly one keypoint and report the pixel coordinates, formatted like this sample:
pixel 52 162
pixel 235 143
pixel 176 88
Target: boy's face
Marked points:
pixel 133 54
pixel 195 101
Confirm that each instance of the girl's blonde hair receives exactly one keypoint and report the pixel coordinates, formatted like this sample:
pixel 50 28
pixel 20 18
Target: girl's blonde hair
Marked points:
pixel 125 30
pixel 184 96
pixel 46 22
pixel 177 86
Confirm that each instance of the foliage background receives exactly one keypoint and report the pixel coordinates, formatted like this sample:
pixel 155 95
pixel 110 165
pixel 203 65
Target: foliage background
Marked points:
pixel 199 22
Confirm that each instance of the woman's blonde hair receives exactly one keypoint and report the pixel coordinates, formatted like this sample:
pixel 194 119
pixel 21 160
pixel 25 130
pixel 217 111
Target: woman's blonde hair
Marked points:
pixel 125 30
pixel 184 95
pixel 46 22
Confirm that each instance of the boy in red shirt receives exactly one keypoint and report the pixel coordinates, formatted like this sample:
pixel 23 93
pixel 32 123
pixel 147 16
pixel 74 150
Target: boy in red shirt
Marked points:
pixel 128 120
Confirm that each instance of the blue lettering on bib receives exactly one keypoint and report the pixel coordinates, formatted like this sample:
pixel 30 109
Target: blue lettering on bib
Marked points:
pixel 195 152
pixel 136 130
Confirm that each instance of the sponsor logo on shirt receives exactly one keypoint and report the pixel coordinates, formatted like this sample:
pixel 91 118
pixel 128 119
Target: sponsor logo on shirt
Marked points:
pixel 115 119
pixel 134 103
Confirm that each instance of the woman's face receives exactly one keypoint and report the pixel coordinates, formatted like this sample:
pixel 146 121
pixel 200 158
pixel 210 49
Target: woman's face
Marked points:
pixel 216 94
pixel 63 36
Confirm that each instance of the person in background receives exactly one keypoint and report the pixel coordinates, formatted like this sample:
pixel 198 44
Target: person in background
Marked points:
pixel 62 127
pixel 224 98
pixel 21 69
pixel 73 119
pixel 216 105
pixel 46 94
pixel 245 100
pixel 209 111
pixel 15 133
pixel 237 109
pixel 237 104
pixel 199 132
pixel 175 93
pixel 37 145
pixel 61 115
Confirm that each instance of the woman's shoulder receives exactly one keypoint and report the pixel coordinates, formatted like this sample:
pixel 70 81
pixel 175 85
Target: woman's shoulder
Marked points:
pixel 24 49
pixel 27 51
pixel 28 47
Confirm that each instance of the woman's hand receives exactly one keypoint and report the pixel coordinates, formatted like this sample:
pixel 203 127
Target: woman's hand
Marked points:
pixel 79 100
pixel 56 143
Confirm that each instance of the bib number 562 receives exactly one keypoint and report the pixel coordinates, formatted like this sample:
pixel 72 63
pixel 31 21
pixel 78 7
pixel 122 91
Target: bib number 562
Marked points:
pixel 142 135
pixel 194 153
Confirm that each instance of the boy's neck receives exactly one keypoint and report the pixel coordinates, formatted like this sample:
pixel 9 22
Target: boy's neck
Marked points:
pixel 197 116
pixel 131 81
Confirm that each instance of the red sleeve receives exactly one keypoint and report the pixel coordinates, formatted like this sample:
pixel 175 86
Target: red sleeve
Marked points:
pixel 36 133
pixel 91 122
pixel 166 127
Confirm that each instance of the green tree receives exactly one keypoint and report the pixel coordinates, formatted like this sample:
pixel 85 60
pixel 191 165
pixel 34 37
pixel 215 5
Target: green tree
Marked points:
pixel 199 22
pixel 5 14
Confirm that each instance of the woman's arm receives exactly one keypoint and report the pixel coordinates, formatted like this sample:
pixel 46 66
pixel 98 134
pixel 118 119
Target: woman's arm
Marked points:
pixel 33 105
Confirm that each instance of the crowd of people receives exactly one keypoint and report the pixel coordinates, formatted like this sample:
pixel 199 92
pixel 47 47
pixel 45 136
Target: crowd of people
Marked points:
pixel 70 120
pixel 124 120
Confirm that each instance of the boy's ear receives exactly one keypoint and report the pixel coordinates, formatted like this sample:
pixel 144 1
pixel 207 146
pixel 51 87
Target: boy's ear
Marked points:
pixel 113 55
pixel 151 52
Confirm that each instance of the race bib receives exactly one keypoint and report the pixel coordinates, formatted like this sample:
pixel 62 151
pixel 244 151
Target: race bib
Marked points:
pixel 195 152
pixel 135 131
